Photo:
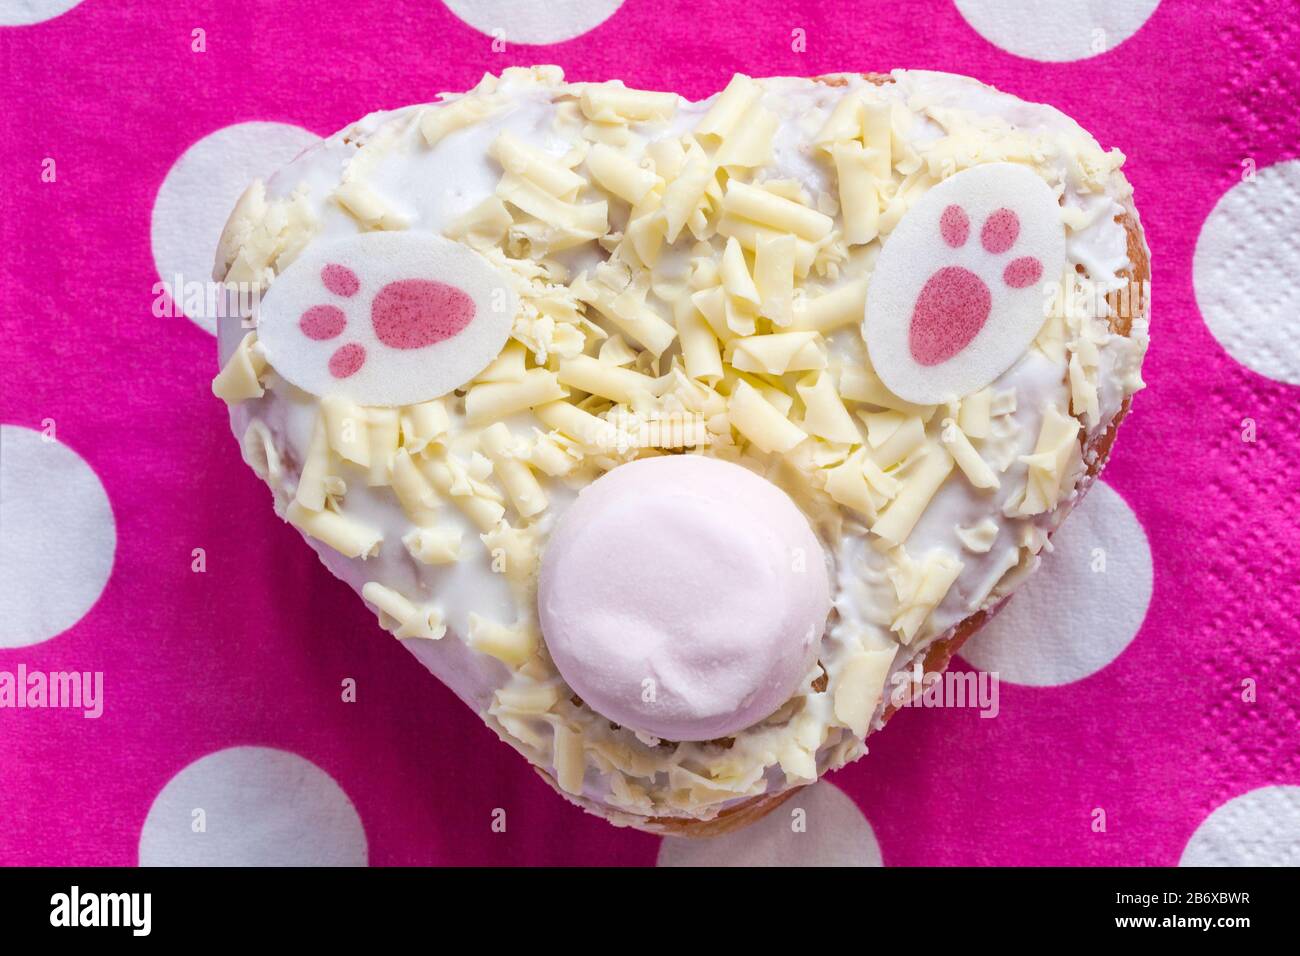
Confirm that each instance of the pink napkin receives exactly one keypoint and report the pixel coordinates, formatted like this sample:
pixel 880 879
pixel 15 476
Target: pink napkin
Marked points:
pixel 251 709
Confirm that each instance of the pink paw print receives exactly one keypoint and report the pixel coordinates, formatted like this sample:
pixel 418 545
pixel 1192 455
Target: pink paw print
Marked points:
pixel 386 318
pixel 405 314
pixel 955 303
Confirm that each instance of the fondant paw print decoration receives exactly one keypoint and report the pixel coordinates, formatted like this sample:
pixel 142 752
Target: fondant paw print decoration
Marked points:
pixel 955 298
pixel 385 318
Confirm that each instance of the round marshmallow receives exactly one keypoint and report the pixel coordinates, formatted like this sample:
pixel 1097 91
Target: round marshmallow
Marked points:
pixel 683 597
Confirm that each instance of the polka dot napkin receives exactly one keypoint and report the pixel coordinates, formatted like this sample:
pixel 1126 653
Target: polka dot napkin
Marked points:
pixel 240 706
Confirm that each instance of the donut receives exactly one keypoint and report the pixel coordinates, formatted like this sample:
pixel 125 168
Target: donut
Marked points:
pixel 679 439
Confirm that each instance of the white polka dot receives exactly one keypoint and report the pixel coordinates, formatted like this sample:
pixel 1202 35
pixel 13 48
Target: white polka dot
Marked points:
pixel 1056 30
pixel 200 190
pixel 1259 828
pixel 533 21
pixel 21 13
pixel 57 537
pixel 252 806
pixel 818 826
pixel 1084 605
pixel 1247 272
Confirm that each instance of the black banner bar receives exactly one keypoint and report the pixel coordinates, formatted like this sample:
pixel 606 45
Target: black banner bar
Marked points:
pixel 212 905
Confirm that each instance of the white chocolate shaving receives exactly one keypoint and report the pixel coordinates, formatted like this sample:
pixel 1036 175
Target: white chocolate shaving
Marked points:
pixel 902 442
pixel 346 427
pixel 238 380
pixel 609 381
pixel 860 484
pixel 979 538
pixel 263 236
pixel 685 192
pixel 881 425
pixel 725 316
pixel 973 419
pixel 699 346
pixel 858 199
pixel 484 226
pixel 777 397
pixel 844 123
pixel 613 102
pixel 618 174
pixel 615 351
pixel 414 492
pixel 629 313
pixel 860 688
pixel 474 499
pixel 369 208
pixel 1083 388
pixel 398 615
pixel 774 267
pixel 824 414
pixel 437 121
pixel 519 551
pixel 384 432
pixel 920 586
pixel 512 470
pixel 968 459
pixel 775 212
pixel 553 455
pixel 668 156
pixel 760 421
pixel 347 536
pixel 1048 465
pixel 735 274
pixel 582 426
pixel 543 170
pixel 528 698
pixel 493 401
pixel 433 545
pixel 749 143
pixel 509 366
pixel 877 136
pixel 778 353
pixel 258 450
pixel 570 223
pixel 1001 575
pixel 833 310
pixel 1003 402
pixel 423 424
pixel 569 764
pixel 861 384
pixel 917 490
pixel 315 473
pixel 512 645
pixel 749 234
pixel 728 107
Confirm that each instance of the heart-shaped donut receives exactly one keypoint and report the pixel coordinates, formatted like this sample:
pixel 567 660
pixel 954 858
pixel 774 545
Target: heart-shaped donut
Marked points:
pixel 685 440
